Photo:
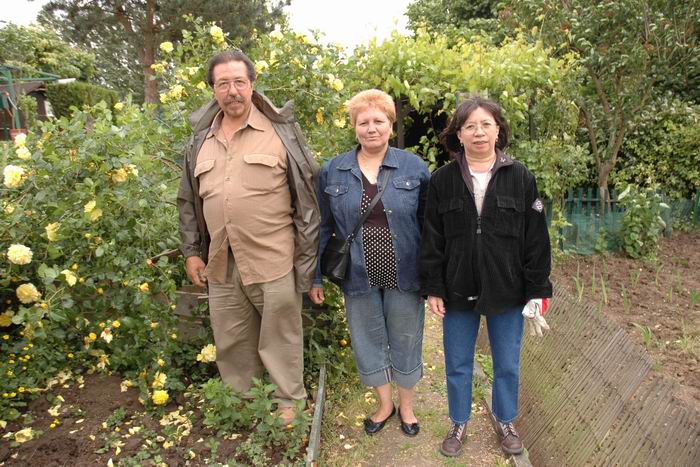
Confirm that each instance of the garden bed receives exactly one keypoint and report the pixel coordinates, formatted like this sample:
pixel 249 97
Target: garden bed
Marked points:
pixel 657 303
pixel 99 420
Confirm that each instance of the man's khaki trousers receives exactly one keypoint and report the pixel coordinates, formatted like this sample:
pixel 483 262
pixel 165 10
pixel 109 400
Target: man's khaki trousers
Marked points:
pixel 259 326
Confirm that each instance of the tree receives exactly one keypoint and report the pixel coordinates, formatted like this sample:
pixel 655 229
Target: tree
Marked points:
pixel 36 48
pixel 627 48
pixel 437 14
pixel 125 34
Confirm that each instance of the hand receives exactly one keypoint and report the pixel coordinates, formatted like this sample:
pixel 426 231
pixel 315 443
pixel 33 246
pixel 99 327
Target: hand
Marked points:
pixel 316 295
pixel 195 270
pixel 534 316
pixel 437 305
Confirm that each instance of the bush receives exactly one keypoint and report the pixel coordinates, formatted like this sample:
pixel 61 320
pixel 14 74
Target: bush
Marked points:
pixel 642 224
pixel 78 94
pixel 663 147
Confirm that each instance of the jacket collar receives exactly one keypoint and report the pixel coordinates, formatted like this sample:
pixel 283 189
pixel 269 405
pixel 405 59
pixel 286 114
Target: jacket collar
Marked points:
pixel 203 117
pixel 502 160
pixel 348 159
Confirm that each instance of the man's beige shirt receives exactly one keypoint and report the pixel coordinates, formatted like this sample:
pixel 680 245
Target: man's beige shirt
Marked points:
pixel 247 202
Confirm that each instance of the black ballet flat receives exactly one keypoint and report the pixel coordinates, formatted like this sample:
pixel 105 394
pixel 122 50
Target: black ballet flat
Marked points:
pixel 409 429
pixel 372 427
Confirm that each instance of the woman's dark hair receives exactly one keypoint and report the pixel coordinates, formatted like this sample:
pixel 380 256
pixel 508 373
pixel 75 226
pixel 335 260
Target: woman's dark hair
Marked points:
pixel 448 137
pixel 230 56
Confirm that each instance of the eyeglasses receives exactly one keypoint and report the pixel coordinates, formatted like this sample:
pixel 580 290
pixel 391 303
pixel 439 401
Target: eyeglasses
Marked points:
pixel 240 84
pixel 470 128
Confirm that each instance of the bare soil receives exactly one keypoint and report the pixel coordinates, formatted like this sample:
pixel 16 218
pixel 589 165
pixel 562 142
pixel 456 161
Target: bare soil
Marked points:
pixel 657 303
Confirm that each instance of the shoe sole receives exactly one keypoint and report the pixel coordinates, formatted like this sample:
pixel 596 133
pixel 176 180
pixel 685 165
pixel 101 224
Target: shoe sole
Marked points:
pixel 512 451
pixel 450 454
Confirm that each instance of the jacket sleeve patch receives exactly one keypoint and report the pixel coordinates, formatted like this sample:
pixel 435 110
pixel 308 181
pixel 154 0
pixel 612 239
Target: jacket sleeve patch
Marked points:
pixel 538 205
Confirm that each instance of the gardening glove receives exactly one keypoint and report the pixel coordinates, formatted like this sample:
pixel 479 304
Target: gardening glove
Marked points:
pixel 534 316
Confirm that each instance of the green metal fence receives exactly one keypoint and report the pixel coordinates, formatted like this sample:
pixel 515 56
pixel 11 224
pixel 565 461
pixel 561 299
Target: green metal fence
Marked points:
pixel 595 223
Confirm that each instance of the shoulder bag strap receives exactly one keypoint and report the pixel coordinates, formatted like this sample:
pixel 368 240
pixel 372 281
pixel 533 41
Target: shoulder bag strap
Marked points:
pixel 371 206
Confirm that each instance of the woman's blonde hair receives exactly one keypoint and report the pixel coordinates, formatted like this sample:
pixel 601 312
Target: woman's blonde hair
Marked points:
pixel 371 98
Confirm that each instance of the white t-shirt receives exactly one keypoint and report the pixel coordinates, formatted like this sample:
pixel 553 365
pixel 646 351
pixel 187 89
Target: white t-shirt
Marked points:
pixel 480 180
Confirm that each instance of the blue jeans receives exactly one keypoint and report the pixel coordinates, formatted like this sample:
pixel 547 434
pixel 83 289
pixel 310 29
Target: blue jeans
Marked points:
pixel 386 328
pixel 460 329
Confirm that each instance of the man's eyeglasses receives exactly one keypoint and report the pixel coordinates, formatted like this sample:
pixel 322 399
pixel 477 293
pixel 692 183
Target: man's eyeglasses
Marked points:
pixel 470 128
pixel 240 84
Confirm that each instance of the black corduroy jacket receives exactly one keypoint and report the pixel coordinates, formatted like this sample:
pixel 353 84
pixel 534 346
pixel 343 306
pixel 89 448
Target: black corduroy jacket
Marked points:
pixel 490 262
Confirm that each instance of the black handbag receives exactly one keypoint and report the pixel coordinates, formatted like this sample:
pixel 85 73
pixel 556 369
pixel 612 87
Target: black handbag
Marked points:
pixel 336 255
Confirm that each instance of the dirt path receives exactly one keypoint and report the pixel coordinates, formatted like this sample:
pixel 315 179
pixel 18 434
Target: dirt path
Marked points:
pixel 345 443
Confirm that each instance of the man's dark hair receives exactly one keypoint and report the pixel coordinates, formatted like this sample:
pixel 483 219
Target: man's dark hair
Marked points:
pixel 230 56
pixel 448 137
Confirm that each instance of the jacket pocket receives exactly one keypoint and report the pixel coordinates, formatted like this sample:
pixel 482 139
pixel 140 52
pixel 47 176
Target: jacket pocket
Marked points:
pixel 337 200
pixel 454 219
pixel 510 216
pixel 260 172
pixel 407 189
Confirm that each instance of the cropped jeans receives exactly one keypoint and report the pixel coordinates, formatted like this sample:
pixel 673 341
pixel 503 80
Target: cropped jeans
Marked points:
pixel 460 329
pixel 386 328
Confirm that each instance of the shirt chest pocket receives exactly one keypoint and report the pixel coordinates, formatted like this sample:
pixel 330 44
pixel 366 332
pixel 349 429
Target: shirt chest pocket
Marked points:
pixel 454 218
pixel 408 189
pixel 261 172
pixel 204 173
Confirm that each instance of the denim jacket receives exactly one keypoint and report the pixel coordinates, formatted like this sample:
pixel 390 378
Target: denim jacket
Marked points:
pixel 339 195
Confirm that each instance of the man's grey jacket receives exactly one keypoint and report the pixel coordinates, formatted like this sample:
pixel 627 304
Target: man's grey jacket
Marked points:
pixel 302 171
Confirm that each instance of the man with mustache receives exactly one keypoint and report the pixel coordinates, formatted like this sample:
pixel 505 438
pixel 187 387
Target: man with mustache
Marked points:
pixel 249 225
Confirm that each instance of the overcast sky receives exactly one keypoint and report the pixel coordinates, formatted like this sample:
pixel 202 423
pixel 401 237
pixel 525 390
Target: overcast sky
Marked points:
pixel 349 22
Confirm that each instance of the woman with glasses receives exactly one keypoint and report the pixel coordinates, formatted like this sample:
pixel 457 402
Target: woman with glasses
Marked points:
pixel 485 251
pixel 384 308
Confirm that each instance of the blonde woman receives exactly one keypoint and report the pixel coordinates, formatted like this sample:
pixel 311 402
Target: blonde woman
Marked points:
pixel 384 308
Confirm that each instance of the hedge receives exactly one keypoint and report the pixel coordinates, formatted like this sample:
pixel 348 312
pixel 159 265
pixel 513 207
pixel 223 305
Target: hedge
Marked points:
pixel 78 94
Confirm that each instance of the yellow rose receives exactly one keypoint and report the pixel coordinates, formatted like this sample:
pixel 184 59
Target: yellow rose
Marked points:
pixel 339 122
pixel 158 67
pixel 20 140
pixel 161 362
pixel 23 153
pixel 201 85
pixel 337 85
pixel 207 354
pixel 95 214
pixel 116 324
pixel 176 91
pixel 6 319
pixel 319 116
pixel 217 34
pixel 19 254
pixel 52 231
pixel 9 208
pixel 276 34
pixel 119 175
pixel 159 397
pixel 107 335
pixel 28 293
pixel 71 278
pixel 89 206
pixel 144 287
pixel 92 336
pixel 13 176
pixel 159 380
pixel 261 66
pixel 166 47
pixel 119 106
pixel 22 436
pixel 192 70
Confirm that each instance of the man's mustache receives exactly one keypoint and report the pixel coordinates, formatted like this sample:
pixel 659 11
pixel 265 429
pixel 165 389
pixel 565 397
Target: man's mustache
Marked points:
pixel 238 99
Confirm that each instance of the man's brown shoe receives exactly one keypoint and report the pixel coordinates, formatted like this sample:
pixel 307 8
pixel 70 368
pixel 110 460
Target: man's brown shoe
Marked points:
pixel 510 440
pixel 452 444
